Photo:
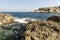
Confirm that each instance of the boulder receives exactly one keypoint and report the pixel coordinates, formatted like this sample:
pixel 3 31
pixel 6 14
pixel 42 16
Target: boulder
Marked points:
pixel 6 19
pixel 54 18
pixel 42 30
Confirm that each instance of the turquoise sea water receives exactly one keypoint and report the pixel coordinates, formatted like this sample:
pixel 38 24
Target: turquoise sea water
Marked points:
pixel 42 16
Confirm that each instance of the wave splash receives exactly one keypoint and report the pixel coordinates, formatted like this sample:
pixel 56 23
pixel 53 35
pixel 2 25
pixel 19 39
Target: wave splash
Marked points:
pixel 23 20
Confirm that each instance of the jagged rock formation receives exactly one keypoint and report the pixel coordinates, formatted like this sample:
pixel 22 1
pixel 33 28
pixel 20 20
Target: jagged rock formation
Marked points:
pixel 33 30
pixel 6 19
pixel 42 30
pixel 49 9
pixel 54 18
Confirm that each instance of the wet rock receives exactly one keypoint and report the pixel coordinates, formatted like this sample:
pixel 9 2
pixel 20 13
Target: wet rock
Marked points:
pixel 54 18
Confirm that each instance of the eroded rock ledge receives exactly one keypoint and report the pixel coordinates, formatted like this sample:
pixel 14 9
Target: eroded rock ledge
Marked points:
pixel 42 30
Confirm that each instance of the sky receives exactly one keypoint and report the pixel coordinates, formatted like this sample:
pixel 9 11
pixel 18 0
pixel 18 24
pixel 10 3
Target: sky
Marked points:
pixel 25 5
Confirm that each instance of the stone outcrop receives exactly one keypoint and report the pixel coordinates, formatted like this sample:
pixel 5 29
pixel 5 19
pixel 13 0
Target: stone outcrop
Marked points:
pixel 6 19
pixel 55 9
pixel 54 18
pixel 42 30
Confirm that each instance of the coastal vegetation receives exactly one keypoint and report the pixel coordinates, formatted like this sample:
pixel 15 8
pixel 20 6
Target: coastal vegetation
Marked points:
pixel 54 9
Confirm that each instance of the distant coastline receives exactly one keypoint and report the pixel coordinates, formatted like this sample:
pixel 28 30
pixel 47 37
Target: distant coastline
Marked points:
pixel 54 9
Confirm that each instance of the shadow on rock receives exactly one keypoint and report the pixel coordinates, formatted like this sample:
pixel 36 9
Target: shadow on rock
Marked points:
pixel 54 18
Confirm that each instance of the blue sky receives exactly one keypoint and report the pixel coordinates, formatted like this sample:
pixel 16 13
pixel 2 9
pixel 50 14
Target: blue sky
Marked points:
pixel 26 5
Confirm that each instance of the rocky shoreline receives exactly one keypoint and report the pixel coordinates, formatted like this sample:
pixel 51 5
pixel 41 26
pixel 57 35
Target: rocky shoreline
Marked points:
pixel 6 19
pixel 9 29
pixel 42 30
pixel 54 9
pixel 33 30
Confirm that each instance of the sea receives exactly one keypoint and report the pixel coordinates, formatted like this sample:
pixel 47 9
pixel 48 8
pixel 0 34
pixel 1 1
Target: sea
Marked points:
pixel 17 30
pixel 42 16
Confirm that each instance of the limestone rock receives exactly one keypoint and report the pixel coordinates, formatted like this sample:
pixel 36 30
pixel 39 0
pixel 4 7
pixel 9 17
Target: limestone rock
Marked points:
pixel 42 30
pixel 54 9
pixel 6 19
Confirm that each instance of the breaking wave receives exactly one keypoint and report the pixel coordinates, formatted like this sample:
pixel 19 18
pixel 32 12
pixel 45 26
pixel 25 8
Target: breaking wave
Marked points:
pixel 23 20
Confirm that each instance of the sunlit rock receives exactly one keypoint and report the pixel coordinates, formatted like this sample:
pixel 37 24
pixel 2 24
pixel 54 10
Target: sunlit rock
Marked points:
pixel 6 19
pixel 42 30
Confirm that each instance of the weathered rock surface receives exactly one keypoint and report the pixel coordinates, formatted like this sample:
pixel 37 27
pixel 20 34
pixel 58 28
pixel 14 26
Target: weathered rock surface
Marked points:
pixel 54 9
pixel 54 18
pixel 6 19
pixel 42 30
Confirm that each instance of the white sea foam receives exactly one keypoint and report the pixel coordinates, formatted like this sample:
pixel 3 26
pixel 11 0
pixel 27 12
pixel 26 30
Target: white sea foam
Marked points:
pixel 23 20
